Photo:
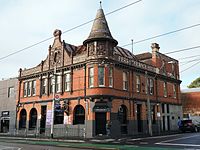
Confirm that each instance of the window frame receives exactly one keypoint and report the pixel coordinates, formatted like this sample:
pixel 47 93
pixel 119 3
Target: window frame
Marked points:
pixel 58 82
pixel 151 86
pixel 33 88
pixel 101 76
pixel 138 84
pixel 175 90
pixel 91 77
pixel 25 89
pixel 29 85
pixel 125 80
pixel 79 115
pixel 110 77
pixel 67 81
pixel 165 89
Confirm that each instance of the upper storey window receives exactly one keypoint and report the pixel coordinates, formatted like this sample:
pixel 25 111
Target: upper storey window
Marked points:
pixel 174 90
pixel 101 75
pixel 58 83
pixel 110 77
pixel 29 88
pixel 67 81
pixel 11 92
pixel 91 77
pixel 51 84
pixel 33 87
pixel 125 81
pixel 44 86
pixel 138 82
pixel 165 89
pixel 151 86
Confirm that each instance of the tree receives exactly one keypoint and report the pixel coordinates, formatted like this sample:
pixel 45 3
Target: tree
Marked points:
pixel 195 83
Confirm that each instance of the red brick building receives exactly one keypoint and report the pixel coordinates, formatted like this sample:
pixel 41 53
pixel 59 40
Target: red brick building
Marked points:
pixel 191 101
pixel 100 88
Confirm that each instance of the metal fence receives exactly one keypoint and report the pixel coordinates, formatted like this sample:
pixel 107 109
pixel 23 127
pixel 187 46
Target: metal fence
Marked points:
pixel 46 133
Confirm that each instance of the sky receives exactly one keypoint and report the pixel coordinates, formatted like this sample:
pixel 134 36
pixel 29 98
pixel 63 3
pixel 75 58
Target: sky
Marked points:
pixel 24 23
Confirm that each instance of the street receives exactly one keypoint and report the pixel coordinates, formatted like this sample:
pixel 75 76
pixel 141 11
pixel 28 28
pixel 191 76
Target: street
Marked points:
pixel 179 141
pixel 175 141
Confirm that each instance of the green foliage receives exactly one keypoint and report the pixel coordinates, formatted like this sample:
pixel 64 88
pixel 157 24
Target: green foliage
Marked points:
pixel 195 83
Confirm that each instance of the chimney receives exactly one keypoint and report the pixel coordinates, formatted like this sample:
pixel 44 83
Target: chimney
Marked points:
pixel 155 47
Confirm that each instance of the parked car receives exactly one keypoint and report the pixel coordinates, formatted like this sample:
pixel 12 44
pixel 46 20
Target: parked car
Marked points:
pixel 189 125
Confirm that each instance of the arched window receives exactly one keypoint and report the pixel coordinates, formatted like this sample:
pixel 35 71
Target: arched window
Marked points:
pixel 79 115
pixel 33 118
pixel 22 119
pixel 122 114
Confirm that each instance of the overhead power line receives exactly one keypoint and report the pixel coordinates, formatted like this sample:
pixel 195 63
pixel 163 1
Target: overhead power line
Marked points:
pixel 159 35
pixel 23 49
pixel 190 66
pixel 189 61
pixel 185 49
pixel 188 57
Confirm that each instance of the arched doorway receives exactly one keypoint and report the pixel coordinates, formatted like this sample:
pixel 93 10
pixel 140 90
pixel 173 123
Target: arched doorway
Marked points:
pixel 122 116
pixel 22 119
pixel 33 119
pixel 79 115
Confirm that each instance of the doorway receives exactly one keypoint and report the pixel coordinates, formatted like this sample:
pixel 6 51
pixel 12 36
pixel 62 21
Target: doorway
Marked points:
pixel 139 118
pixel 100 123
pixel 4 126
pixel 43 119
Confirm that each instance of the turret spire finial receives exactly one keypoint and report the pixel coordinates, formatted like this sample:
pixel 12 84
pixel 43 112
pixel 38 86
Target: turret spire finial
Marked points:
pixel 100 5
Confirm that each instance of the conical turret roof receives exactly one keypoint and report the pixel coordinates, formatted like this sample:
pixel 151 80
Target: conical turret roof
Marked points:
pixel 100 29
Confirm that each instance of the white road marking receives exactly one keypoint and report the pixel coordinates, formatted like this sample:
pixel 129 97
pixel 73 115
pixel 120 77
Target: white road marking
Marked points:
pixel 179 138
pixel 176 144
pixel 166 142
pixel 155 137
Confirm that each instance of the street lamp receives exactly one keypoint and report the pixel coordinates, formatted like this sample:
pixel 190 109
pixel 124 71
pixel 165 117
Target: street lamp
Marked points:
pixel 148 106
pixel 53 92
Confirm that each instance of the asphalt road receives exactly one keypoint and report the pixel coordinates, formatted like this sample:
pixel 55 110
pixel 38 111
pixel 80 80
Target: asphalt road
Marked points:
pixel 177 141
pixel 186 141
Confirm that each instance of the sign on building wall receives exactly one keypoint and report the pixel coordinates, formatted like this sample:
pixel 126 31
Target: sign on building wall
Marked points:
pixel 49 117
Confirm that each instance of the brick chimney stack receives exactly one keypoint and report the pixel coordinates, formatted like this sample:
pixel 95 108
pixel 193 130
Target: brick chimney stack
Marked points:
pixel 155 47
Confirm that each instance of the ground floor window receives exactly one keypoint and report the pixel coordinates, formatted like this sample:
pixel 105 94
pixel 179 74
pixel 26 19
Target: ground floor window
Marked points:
pixel 79 115
pixel 33 118
pixel 22 119
pixel 58 115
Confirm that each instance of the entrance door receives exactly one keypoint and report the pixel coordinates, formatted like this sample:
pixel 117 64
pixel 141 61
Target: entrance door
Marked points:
pixel 4 126
pixel 100 123
pixel 43 119
pixel 139 119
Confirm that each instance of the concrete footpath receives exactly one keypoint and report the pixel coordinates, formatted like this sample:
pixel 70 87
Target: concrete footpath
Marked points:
pixel 95 144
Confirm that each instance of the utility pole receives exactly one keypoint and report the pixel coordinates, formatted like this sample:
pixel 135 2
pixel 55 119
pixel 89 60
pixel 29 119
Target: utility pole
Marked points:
pixel 148 106
pixel 53 100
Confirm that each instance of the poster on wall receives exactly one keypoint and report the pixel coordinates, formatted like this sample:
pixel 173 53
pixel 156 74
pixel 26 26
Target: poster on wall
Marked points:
pixel 67 120
pixel 49 117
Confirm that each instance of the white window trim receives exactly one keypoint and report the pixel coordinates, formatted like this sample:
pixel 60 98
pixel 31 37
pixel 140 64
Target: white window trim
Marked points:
pixel 66 82
pixel 90 86
pixel 33 94
pixel 110 77
pixel 138 88
pixel 125 81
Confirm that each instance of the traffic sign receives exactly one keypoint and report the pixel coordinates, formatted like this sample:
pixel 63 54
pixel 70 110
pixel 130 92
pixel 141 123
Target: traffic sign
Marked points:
pixel 57 98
